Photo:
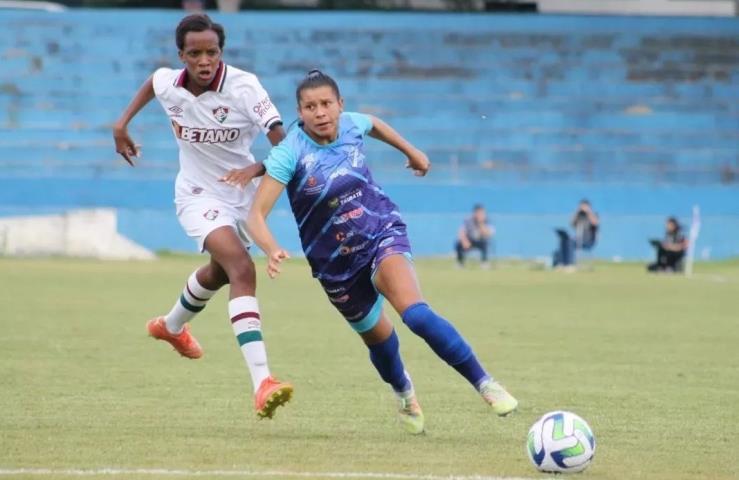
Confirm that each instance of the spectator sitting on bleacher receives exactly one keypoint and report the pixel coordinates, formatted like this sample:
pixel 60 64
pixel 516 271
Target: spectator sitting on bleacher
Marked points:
pixel 475 233
pixel 671 250
pixel 585 222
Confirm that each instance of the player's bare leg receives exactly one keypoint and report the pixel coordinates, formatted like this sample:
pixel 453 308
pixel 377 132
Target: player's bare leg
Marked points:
pixel 228 252
pixel 174 327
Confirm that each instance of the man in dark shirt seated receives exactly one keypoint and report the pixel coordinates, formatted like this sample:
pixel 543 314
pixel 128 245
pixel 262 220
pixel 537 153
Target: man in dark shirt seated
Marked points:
pixel 585 223
pixel 671 250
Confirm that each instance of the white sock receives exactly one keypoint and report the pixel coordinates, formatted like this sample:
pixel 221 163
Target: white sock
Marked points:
pixel 192 301
pixel 411 392
pixel 247 326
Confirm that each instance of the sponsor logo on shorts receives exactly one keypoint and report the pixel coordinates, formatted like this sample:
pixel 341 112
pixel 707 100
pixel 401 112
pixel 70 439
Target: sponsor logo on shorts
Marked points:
pixel 334 291
pixel 347 250
pixel 386 242
pixel 342 299
pixel 221 113
pixel 350 215
pixel 211 214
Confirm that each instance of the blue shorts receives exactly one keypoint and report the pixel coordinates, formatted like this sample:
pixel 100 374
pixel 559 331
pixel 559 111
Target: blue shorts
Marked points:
pixel 356 298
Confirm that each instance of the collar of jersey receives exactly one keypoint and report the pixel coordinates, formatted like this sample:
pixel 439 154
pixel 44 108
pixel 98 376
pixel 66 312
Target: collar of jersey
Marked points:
pixel 215 86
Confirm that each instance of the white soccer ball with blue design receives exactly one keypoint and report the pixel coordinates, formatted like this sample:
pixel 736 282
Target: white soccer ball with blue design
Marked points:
pixel 560 442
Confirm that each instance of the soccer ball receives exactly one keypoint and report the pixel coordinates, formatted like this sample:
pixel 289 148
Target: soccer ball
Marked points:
pixel 560 442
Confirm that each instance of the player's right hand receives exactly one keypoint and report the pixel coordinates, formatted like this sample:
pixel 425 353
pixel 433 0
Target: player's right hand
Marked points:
pixel 240 177
pixel 418 162
pixel 273 262
pixel 124 145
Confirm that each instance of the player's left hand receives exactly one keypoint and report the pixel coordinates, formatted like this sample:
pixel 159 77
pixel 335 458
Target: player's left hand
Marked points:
pixel 240 177
pixel 418 162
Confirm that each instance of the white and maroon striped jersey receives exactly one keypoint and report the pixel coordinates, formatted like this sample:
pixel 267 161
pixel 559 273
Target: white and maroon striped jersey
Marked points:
pixel 215 130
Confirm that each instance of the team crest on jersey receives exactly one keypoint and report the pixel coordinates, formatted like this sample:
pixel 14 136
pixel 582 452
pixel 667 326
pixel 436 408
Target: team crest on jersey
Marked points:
pixel 221 113
pixel 211 214
pixel 312 187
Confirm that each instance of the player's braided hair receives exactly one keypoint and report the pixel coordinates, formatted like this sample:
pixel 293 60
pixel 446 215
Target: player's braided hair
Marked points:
pixel 314 79
pixel 198 22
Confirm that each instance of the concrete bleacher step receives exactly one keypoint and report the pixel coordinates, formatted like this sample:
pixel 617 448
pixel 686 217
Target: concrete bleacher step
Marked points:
pixel 549 97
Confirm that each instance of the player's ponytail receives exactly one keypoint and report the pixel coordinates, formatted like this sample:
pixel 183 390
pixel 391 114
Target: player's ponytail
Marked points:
pixel 314 79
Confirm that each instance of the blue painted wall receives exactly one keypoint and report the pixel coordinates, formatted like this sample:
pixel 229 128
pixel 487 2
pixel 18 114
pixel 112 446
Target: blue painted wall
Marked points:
pixel 526 114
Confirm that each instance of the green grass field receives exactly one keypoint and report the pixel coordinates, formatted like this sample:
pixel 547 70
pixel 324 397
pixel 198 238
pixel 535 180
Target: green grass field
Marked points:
pixel 652 363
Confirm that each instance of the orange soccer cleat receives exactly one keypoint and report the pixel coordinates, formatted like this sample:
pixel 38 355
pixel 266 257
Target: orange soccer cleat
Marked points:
pixel 271 394
pixel 183 342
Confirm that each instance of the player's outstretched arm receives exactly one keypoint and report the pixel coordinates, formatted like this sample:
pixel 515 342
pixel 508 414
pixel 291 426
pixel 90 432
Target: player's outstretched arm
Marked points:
pixel 417 160
pixel 264 200
pixel 124 145
pixel 241 176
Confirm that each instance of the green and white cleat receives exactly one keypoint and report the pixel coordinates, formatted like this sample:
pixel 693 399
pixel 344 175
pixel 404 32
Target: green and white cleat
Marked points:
pixel 498 397
pixel 410 414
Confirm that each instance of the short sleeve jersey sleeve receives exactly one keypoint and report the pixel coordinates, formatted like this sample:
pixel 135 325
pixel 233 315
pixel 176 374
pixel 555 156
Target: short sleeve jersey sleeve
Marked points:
pixel 281 163
pixel 162 78
pixel 259 106
pixel 362 121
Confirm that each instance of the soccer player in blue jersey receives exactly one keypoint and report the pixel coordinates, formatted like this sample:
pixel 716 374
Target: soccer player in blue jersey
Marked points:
pixel 355 240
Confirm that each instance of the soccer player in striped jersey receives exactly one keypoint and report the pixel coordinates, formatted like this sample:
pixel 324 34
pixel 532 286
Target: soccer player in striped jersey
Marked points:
pixel 355 240
pixel 216 111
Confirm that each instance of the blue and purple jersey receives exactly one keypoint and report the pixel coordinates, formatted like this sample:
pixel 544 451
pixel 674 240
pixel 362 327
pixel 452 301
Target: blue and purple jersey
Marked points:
pixel 343 216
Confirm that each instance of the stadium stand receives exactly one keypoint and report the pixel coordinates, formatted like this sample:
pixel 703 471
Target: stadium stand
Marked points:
pixel 545 109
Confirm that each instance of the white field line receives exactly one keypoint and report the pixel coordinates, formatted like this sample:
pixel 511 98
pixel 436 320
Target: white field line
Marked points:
pixel 75 472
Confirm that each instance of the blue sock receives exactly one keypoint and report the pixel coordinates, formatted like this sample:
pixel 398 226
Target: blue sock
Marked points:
pixel 445 341
pixel 385 357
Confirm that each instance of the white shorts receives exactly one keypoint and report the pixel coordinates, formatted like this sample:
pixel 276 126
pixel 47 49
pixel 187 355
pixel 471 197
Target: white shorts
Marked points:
pixel 200 216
